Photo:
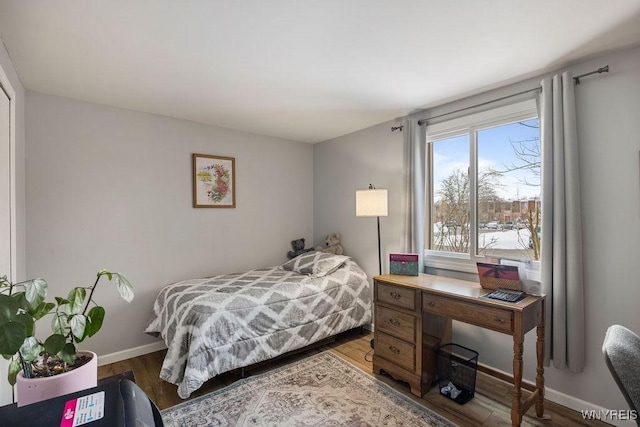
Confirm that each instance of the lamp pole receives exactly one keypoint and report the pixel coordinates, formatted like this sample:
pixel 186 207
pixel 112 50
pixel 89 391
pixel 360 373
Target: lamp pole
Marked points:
pixel 379 250
pixel 372 202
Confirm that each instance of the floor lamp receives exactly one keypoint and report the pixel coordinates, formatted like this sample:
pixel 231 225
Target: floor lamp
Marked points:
pixel 369 203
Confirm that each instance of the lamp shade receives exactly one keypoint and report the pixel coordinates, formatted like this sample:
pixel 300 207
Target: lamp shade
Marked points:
pixel 371 202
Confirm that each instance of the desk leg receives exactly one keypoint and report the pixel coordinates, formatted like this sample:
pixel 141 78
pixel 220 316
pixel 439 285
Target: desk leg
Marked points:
pixel 516 404
pixel 540 370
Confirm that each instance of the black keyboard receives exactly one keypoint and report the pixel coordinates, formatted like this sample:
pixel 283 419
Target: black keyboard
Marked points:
pixel 508 295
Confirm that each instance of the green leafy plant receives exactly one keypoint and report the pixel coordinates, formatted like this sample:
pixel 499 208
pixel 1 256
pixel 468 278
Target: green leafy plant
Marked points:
pixel 74 318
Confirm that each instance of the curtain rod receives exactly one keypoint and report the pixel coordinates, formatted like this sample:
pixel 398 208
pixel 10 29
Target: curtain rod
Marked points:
pixel 421 122
pixel 604 69
pixel 576 79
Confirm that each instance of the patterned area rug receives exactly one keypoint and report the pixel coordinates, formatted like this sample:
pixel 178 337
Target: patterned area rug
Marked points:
pixel 321 390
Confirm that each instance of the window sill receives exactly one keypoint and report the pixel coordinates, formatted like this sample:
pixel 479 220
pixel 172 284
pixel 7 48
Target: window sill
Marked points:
pixel 462 265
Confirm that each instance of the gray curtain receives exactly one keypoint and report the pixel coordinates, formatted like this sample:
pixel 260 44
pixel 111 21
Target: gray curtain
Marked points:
pixel 413 192
pixel 561 254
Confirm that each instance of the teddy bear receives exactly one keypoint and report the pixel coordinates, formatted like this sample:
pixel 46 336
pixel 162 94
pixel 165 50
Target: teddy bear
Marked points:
pixel 333 245
pixel 298 248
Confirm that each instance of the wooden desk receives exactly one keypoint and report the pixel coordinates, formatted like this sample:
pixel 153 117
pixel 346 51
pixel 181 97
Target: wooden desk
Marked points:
pixel 413 316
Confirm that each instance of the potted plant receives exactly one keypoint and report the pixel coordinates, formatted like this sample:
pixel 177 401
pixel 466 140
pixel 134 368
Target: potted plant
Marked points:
pixel 39 365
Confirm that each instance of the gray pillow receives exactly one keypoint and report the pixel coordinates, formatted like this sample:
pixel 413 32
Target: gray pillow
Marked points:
pixel 315 264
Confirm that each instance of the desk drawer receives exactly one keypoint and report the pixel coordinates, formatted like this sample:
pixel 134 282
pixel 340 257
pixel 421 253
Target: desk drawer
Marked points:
pixel 397 295
pixel 394 323
pixel 397 351
pixel 476 314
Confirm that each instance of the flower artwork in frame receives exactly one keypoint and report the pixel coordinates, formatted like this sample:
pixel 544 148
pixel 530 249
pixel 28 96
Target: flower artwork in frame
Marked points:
pixel 214 181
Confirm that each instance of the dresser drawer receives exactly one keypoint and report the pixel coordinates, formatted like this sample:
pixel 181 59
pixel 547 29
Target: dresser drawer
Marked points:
pixel 397 351
pixel 397 324
pixel 476 314
pixel 397 295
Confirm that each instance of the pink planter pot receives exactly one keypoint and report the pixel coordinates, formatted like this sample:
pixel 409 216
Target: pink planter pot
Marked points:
pixel 31 390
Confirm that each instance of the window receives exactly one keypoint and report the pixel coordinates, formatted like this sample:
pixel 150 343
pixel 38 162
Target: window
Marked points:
pixel 483 181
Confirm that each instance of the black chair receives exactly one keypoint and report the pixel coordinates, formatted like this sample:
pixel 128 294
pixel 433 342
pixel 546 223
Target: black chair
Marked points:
pixel 621 350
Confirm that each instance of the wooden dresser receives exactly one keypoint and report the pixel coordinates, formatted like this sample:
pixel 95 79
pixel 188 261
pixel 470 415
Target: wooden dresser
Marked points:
pixel 405 339
pixel 413 316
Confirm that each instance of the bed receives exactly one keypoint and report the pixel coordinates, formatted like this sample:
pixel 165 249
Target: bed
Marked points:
pixel 218 324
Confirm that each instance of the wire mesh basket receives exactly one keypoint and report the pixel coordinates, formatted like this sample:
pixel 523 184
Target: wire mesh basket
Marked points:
pixel 456 369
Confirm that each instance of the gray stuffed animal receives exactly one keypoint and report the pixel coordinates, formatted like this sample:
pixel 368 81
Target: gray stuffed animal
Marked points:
pixel 298 248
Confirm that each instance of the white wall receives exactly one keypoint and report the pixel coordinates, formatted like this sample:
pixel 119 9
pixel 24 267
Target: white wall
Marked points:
pixel 608 108
pixel 111 188
pixel 11 81
pixel 372 156
pixel 14 267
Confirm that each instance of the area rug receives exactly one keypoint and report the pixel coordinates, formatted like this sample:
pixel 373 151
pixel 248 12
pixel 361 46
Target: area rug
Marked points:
pixel 321 390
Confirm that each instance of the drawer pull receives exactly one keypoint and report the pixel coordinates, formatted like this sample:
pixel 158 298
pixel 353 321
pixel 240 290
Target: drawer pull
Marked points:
pixel 394 350
pixel 395 295
pixel 499 320
pixel 394 322
pixel 431 304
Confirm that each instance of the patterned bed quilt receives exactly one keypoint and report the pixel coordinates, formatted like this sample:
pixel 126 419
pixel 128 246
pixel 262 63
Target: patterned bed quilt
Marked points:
pixel 218 324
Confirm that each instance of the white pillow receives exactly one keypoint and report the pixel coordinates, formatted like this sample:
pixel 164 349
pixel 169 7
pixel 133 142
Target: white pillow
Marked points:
pixel 315 264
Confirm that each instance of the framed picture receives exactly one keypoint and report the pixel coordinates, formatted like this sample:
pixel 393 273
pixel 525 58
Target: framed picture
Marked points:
pixel 214 181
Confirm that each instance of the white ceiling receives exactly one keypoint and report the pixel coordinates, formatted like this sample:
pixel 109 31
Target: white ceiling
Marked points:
pixel 305 70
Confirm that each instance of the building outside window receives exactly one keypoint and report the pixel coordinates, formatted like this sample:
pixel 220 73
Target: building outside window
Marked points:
pixel 483 182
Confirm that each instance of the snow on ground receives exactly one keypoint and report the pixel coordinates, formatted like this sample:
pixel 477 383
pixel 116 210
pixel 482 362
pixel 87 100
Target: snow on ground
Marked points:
pixel 496 239
pixel 505 239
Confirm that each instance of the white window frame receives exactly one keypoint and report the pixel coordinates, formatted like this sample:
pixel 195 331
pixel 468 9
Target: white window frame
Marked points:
pixel 470 124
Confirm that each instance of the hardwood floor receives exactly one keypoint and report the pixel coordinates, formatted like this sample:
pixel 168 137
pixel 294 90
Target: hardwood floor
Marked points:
pixel 490 407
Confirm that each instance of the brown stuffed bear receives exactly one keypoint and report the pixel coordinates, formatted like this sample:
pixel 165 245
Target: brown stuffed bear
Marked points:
pixel 333 245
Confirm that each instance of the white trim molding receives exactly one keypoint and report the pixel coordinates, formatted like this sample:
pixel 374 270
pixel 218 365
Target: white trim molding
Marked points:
pixel 130 353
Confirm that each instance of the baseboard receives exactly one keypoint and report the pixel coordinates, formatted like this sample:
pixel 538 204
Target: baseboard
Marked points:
pixel 582 406
pixel 563 399
pixel 129 353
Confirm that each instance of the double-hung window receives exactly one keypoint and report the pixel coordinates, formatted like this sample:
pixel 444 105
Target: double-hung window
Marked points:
pixel 483 187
